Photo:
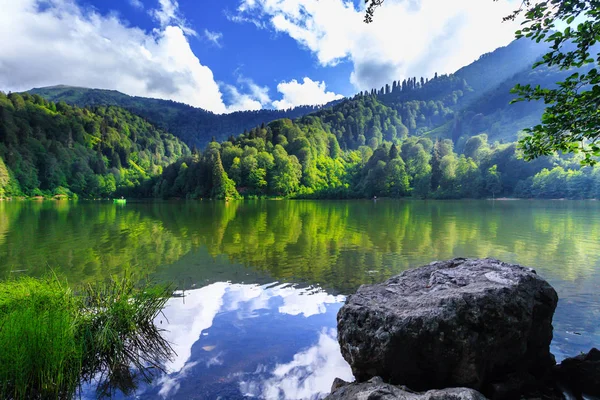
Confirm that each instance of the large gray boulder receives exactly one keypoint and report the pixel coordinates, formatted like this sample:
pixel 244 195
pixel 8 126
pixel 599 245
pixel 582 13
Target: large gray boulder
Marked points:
pixel 475 323
pixel 376 389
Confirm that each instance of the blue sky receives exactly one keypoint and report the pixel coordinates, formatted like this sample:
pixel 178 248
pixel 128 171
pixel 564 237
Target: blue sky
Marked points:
pixel 232 55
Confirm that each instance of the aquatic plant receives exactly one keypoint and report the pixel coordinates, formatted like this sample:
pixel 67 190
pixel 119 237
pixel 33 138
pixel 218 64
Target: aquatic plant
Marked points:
pixel 41 356
pixel 121 341
pixel 53 338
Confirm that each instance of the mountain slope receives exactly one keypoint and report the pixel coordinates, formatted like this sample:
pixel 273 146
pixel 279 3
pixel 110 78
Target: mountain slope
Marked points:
pixel 476 99
pixel 447 106
pixel 56 149
pixel 491 69
pixel 194 126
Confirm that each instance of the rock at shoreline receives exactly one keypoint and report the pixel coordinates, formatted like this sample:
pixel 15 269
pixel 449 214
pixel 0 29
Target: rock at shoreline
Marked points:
pixel 581 374
pixel 376 389
pixel 482 324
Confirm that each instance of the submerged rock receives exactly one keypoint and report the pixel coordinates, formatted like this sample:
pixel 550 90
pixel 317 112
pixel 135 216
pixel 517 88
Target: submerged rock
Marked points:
pixel 581 374
pixel 376 389
pixel 477 323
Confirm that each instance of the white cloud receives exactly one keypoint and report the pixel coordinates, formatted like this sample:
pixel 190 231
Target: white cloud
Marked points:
pixel 305 302
pixel 241 101
pixel 213 37
pixel 237 17
pixel 255 98
pixel 61 43
pixel 168 14
pixel 410 37
pixel 308 92
pixel 261 93
pixel 185 319
pixel 136 4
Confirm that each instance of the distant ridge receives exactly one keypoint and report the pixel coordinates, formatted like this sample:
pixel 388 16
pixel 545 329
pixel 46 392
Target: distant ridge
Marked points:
pixel 193 125
pixel 473 100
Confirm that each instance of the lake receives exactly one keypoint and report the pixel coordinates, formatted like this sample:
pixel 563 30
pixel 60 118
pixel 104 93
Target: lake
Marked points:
pixel 260 282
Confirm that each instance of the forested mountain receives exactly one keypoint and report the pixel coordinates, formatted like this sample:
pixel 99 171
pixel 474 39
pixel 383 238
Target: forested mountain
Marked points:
pixel 195 126
pixel 447 136
pixel 57 149
pixel 473 100
pixel 303 159
pixel 438 138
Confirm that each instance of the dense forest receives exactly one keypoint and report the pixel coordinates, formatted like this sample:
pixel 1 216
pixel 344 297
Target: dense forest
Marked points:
pixel 194 126
pixel 304 159
pixel 446 136
pixel 475 99
pixel 55 149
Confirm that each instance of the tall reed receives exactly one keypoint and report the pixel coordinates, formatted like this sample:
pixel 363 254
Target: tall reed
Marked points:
pixel 52 338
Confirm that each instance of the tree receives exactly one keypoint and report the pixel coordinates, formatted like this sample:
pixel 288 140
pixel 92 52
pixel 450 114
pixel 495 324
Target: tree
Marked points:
pixel 397 181
pixel 571 121
pixel 223 186
pixel 493 181
pixel 436 170
pixel 393 152
pixel 476 147
pixel 287 172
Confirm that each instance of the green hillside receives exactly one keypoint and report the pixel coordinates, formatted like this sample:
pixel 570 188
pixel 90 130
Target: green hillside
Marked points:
pixel 303 159
pixel 195 126
pixel 57 149
pixel 473 100
pixel 448 136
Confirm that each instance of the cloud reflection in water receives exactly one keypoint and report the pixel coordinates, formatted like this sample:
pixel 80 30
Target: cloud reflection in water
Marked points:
pixel 240 341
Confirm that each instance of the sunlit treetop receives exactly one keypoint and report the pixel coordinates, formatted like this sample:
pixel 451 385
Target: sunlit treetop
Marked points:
pixel 571 121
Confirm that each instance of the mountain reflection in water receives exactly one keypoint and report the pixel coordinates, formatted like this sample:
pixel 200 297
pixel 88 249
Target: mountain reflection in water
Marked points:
pixel 245 339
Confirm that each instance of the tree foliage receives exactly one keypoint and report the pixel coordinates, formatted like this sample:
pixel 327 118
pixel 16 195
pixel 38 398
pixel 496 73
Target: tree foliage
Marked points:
pixel 194 126
pixel 571 120
pixel 302 158
pixel 56 149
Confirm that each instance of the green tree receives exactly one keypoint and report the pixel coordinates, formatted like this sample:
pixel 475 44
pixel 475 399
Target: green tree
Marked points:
pixel 571 119
pixel 468 176
pixel 493 181
pixel 223 188
pixel 286 172
pixel 397 181
pixel 235 171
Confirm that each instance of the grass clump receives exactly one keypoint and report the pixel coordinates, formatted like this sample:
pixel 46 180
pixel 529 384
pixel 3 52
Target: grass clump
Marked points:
pixel 40 353
pixel 52 338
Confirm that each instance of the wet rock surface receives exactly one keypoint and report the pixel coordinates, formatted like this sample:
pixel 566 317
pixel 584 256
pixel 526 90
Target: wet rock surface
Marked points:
pixel 477 323
pixel 581 374
pixel 376 389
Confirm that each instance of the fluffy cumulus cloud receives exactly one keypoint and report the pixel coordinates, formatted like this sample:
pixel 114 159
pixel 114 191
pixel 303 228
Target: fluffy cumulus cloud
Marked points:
pixel 308 92
pixel 167 14
pixel 59 42
pixel 293 94
pixel 56 41
pixel 407 38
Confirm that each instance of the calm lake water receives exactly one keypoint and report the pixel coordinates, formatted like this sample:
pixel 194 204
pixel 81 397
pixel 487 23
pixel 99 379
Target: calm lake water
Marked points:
pixel 262 281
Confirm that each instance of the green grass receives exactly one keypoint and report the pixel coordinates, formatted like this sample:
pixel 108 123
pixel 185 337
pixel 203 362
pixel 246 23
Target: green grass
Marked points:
pixel 52 338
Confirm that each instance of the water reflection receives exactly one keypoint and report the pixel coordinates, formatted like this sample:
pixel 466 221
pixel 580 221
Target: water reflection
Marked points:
pixel 338 245
pixel 244 340
pixel 237 336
